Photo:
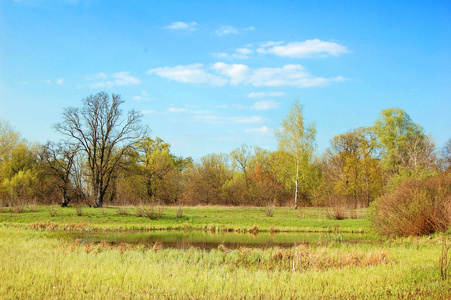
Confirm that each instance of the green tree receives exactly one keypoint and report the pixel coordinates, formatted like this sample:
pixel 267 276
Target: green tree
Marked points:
pixel 296 142
pixel 396 131
pixel 8 139
pixel 160 169
pixel 100 130
pixel 354 166
pixel 19 172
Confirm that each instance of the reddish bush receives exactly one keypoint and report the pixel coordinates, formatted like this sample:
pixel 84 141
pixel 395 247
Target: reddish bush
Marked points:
pixel 415 207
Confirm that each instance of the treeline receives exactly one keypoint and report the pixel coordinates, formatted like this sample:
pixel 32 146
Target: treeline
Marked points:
pixel 108 157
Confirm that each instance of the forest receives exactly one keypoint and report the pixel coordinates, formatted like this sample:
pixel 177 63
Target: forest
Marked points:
pixel 107 157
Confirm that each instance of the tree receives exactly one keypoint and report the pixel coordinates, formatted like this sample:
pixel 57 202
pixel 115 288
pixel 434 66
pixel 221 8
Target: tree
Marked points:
pixel 445 156
pixel 59 160
pixel 19 173
pixel 100 131
pixel 159 169
pixel 296 147
pixel 205 181
pixel 396 131
pixel 354 167
pixel 8 139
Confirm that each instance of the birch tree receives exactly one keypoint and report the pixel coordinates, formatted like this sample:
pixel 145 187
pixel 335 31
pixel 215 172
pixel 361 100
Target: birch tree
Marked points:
pixel 296 142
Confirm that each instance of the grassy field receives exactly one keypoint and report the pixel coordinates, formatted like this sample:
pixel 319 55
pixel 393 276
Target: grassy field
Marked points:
pixel 36 265
pixel 222 218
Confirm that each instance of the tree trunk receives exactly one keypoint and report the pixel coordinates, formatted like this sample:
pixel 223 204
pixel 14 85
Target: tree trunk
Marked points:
pixel 296 184
pixel 65 199
pixel 98 197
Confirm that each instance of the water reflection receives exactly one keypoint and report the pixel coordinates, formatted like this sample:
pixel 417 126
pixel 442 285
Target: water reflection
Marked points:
pixel 208 241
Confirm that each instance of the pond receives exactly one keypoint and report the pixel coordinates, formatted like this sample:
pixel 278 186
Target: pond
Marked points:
pixel 207 241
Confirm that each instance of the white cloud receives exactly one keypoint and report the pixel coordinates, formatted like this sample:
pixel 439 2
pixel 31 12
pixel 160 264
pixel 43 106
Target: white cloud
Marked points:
pixel 190 74
pixel 237 72
pixel 240 53
pixel 244 51
pixel 182 26
pixel 288 75
pixel 266 94
pixel 305 49
pixel 309 48
pixel 59 81
pixel 124 78
pixel 265 105
pixel 262 130
pixel 223 30
pixel 271 44
pixel 98 76
pixel 235 106
pixel 118 78
pixel 234 74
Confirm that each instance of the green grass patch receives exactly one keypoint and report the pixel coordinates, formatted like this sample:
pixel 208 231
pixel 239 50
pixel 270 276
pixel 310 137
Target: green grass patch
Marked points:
pixel 200 218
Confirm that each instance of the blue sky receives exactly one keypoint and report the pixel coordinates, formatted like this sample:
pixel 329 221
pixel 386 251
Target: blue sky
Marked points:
pixel 209 76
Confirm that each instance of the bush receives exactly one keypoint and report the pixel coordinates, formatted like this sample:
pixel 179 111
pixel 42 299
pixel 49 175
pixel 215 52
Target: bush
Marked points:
pixel 179 212
pixel 149 212
pixel 415 207
pixel 79 211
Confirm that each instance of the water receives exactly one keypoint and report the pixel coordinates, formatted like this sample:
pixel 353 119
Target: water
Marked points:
pixel 207 241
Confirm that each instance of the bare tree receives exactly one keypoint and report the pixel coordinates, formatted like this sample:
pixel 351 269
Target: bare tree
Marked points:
pixel 100 131
pixel 59 160
pixel 445 156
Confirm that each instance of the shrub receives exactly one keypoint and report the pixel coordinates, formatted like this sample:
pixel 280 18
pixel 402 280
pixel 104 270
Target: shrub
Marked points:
pixel 122 210
pixel 53 211
pixel 149 212
pixel 269 209
pixel 337 209
pixel 18 209
pixel 415 207
pixel 179 212
pixel 336 212
pixel 79 211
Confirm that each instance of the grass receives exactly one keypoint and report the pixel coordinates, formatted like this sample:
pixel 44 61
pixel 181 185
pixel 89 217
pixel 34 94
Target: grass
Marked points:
pixel 222 218
pixel 36 265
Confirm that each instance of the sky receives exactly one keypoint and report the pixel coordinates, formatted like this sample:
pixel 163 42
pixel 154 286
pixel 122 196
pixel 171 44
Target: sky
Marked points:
pixel 209 76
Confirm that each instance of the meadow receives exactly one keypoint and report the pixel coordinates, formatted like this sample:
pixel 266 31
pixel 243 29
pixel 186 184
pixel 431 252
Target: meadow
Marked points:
pixel 37 263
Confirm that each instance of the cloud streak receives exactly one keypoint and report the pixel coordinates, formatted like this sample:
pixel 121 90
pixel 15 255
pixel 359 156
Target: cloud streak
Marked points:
pixel 115 79
pixel 195 73
pixel 221 74
pixel 305 49
pixel 309 48
pixel 182 26
pixel 263 130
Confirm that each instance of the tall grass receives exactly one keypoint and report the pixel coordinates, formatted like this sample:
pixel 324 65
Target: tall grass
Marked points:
pixel 33 266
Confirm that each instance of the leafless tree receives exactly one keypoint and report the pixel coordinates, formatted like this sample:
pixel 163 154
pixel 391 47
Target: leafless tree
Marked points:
pixel 59 160
pixel 100 131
